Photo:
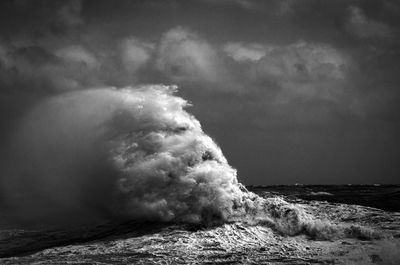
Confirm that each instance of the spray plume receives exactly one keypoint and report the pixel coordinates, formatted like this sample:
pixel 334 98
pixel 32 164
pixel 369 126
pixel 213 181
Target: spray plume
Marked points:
pixel 132 153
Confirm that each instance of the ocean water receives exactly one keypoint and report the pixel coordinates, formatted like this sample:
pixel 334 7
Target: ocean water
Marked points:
pixel 133 242
pixel 385 197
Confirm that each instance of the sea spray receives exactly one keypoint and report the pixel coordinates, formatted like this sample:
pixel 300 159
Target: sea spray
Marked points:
pixel 133 153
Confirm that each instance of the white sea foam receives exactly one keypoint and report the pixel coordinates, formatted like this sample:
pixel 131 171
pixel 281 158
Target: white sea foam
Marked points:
pixel 320 193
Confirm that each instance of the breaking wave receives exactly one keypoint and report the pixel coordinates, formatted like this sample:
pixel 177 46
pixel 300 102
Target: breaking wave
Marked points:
pixel 135 153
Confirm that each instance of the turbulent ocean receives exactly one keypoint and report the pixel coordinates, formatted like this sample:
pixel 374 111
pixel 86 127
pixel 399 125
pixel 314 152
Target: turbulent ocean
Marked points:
pixel 128 176
pixel 131 242
pixel 384 197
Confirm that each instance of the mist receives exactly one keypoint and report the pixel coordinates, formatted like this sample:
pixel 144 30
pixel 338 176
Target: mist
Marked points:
pixel 108 153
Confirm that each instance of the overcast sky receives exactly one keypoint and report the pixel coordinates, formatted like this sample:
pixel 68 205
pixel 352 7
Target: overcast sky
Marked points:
pixel 293 91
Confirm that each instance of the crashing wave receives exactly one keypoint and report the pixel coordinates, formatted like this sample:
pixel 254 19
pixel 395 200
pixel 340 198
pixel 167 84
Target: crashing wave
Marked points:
pixel 134 153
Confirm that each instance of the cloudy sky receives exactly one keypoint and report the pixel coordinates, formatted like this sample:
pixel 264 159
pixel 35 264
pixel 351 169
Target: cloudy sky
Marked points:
pixel 293 91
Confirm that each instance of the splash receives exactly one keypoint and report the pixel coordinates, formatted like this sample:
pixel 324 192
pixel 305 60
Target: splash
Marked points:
pixel 132 153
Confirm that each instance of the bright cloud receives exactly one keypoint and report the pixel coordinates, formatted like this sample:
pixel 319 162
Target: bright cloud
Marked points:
pixel 135 53
pixel 184 56
pixel 301 70
pixel 77 54
pixel 303 61
pixel 245 52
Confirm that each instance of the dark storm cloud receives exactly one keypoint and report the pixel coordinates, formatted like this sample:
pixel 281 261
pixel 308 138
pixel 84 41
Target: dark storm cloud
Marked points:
pixel 31 20
pixel 309 88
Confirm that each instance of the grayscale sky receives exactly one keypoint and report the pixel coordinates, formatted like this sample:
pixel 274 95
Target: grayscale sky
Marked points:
pixel 303 91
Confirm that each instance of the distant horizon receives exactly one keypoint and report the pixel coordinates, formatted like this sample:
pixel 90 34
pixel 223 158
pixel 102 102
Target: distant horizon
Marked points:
pixel 300 184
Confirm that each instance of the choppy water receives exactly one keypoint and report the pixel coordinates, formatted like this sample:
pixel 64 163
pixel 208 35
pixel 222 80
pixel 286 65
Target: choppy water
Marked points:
pixel 229 243
pixel 385 197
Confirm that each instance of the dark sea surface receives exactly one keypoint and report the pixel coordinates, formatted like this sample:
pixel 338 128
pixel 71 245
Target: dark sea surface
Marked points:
pixel 229 243
pixel 384 197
